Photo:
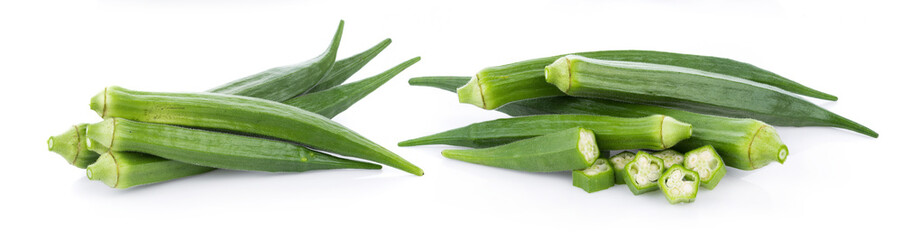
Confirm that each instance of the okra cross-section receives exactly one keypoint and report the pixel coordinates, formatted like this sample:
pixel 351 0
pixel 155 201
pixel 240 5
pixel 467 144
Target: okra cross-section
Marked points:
pixel 708 164
pixel 618 162
pixel 570 149
pixel 642 174
pixel 679 184
pixel 670 157
pixel 599 176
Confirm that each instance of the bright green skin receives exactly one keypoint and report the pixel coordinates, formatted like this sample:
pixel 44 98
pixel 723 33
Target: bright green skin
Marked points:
pixel 495 86
pixel 333 101
pixel 631 179
pixel 718 171
pixel 691 90
pixel 282 83
pixel 597 181
pixel 674 190
pixel 213 149
pixel 245 115
pixel 671 157
pixel 554 152
pixel 611 133
pixel 71 146
pixel 128 169
pixel 618 162
pixel 743 143
pixel 343 69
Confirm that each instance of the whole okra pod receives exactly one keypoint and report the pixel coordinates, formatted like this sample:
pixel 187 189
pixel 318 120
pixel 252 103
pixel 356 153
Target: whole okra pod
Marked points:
pixel 566 150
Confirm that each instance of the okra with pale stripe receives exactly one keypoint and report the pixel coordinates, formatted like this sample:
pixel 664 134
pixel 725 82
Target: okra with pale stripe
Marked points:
pixel 566 150
pixel 612 133
pixel 128 169
pixel 599 176
pixel 642 173
pixel 708 164
pixel 680 185
pixel 72 146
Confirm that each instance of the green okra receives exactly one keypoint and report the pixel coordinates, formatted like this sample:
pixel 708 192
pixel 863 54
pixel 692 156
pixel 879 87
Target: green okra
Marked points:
pixel 680 185
pixel 495 86
pixel 599 176
pixel 671 157
pixel 743 143
pixel 244 115
pixel 691 90
pixel 708 164
pixel 213 149
pixel 71 146
pixel 642 173
pixel 335 100
pixel 447 83
pixel 618 162
pixel 612 133
pixel 281 83
pixel 128 169
pixel 343 69
pixel 566 150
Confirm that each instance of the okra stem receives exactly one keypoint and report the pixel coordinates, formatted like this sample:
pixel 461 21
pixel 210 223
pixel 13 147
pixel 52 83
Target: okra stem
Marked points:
pixel 71 146
pixel 128 169
pixel 571 149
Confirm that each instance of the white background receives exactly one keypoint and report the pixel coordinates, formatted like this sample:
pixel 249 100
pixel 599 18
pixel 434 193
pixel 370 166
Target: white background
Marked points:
pixel 55 55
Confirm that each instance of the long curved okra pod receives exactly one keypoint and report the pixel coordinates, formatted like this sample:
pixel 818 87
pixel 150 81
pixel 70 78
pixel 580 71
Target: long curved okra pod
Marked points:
pixel 71 145
pixel 689 89
pixel 743 143
pixel 612 133
pixel 245 115
pixel 566 150
pixel 495 86
pixel 213 149
pixel 128 169
pixel 343 69
pixel 599 176
pixel 641 175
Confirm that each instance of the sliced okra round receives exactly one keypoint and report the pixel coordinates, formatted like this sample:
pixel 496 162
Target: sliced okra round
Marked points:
pixel 679 184
pixel 708 164
pixel 599 176
pixel 642 174
pixel 618 162
pixel 671 157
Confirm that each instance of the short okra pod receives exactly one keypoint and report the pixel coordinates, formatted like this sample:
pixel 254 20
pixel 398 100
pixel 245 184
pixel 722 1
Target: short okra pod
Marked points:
pixel 679 184
pixel 642 173
pixel 671 157
pixel 566 150
pixel 618 162
pixel 72 146
pixel 599 176
pixel 708 164
pixel 128 169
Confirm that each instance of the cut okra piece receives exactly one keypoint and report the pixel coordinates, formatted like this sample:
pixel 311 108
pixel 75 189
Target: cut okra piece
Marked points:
pixel 679 184
pixel 567 150
pixel 671 157
pixel 708 164
pixel 599 176
pixel 618 162
pixel 641 175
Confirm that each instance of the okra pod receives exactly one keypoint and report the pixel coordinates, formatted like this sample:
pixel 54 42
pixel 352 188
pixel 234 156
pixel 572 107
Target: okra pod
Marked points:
pixel 566 150
pixel 743 143
pixel 671 157
pixel 680 185
pixel 213 149
pixel 128 169
pixel 244 115
pixel 708 164
pixel 599 176
pixel 612 133
pixel 691 90
pixel 642 173
pixel 71 146
pixel 618 162
pixel 333 101
pixel 343 69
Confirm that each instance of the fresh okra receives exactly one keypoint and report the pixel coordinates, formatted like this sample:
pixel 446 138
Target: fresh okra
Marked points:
pixel 671 157
pixel 679 184
pixel 343 69
pixel 642 173
pixel 599 176
pixel 708 164
pixel 691 90
pixel 618 162
pixel 72 146
pixel 566 150
pixel 612 133
pixel 128 169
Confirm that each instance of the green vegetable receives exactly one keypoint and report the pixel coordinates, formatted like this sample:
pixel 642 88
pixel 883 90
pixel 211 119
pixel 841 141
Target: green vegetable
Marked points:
pixel 612 133
pixel 708 164
pixel 642 173
pixel 128 169
pixel 333 101
pixel 618 162
pixel 679 184
pixel 599 176
pixel 565 150
pixel 343 69
pixel 495 86
pixel 244 115
pixel 691 90
pixel 670 157
pixel 213 149
pixel 743 143
pixel 281 83
pixel 72 146
pixel 448 83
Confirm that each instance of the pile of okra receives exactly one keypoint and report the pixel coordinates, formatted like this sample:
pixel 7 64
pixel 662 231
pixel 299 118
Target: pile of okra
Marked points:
pixel 678 119
pixel 278 120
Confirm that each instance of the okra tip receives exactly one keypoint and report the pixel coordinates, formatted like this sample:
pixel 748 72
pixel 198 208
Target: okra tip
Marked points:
pixel 65 144
pixel 766 147
pixel 558 73
pixel 673 131
pixel 472 93
pixel 98 102
pixel 104 170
